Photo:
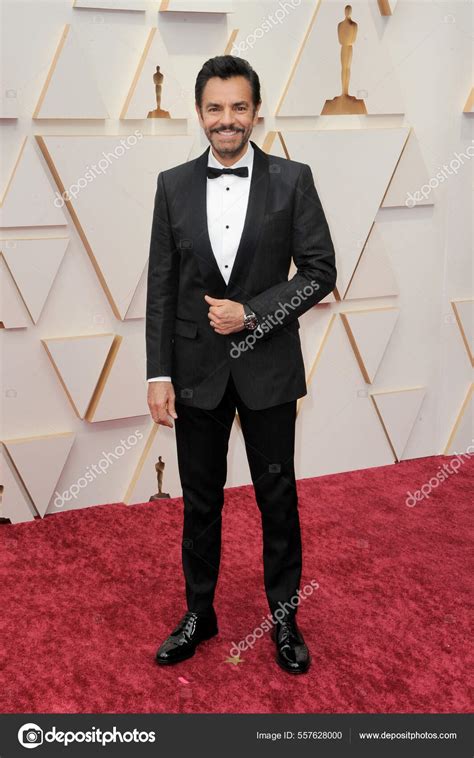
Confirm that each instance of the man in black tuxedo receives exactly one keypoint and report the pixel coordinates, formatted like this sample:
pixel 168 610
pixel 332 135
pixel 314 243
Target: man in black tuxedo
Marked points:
pixel 222 333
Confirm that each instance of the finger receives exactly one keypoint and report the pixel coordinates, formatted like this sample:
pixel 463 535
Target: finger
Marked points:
pixel 164 421
pixel 216 310
pixel 171 408
pixel 158 413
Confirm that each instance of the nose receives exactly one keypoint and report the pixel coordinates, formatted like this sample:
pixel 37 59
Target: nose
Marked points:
pixel 227 119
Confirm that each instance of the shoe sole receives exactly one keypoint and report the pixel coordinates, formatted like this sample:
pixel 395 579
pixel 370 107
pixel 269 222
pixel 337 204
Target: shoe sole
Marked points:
pixel 188 655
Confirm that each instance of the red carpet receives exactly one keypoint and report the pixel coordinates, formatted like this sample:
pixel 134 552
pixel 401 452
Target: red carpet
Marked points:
pixel 88 595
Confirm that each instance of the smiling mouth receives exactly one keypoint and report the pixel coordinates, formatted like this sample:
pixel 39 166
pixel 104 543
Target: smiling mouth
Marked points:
pixel 228 133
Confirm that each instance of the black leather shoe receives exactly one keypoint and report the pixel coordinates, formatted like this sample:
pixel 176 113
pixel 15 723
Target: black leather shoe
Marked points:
pixel 292 653
pixel 182 642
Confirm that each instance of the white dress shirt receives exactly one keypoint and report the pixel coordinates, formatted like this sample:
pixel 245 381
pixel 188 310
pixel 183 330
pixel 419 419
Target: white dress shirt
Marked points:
pixel 226 200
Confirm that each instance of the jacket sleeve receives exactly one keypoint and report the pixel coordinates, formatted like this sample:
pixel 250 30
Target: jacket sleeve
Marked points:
pixel 314 257
pixel 162 290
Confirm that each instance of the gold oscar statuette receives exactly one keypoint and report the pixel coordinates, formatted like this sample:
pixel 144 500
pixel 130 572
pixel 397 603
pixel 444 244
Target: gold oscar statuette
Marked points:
pixel 158 81
pixel 159 468
pixel 345 104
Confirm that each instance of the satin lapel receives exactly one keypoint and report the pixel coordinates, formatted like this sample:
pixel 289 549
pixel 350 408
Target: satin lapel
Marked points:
pixel 202 248
pixel 252 226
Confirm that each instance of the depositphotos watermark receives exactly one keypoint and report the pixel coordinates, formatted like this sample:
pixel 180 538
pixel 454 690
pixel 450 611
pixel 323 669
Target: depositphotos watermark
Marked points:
pixel 97 168
pixel 443 173
pixel 267 323
pixel 96 469
pixel 32 735
pixel 266 26
pixel 447 470
pixel 271 620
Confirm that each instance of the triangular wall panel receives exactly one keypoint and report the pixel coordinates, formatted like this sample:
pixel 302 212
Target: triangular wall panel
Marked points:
pixel 70 90
pixel 364 161
pixel 464 312
pixel 369 332
pixel 13 312
pixel 79 363
pixel 39 462
pixel 137 307
pixel 398 411
pixel 123 394
pixel 338 415
pixel 113 213
pixel 373 276
pixel 29 198
pixel 410 176
pixel 34 264
pixel 15 503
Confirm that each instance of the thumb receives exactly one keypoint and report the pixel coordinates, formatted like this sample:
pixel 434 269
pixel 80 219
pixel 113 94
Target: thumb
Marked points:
pixel 212 300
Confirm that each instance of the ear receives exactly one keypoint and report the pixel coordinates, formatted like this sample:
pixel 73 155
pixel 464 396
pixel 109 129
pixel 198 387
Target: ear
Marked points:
pixel 255 118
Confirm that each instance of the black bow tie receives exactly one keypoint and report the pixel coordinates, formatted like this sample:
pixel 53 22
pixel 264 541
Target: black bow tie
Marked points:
pixel 212 172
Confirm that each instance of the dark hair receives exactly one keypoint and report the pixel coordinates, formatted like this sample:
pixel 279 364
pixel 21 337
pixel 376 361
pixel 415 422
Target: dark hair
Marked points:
pixel 225 66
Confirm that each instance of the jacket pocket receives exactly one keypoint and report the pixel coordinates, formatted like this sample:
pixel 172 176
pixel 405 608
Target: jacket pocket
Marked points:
pixel 185 328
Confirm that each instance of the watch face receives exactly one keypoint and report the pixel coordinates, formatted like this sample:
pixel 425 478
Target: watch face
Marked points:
pixel 250 322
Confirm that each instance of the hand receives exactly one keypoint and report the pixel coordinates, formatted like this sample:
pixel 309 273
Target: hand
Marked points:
pixel 225 316
pixel 160 400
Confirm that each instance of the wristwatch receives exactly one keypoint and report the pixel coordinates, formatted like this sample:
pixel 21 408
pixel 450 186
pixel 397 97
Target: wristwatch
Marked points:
pixel 250 319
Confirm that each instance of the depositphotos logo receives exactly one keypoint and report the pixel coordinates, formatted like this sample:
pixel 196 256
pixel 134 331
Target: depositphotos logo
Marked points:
pixel 31 735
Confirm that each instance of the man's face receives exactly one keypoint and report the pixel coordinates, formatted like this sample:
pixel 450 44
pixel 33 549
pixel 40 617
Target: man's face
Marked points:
pixel 228 114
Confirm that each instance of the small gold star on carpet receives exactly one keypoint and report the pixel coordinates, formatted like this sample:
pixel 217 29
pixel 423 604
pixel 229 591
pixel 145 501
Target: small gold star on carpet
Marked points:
pixel 234 659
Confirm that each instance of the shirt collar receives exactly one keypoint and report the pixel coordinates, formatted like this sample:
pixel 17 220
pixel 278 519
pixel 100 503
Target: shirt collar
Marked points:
pixel 246 160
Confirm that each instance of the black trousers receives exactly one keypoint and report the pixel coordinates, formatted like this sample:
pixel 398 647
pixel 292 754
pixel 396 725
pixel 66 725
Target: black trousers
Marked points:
pixel 202 438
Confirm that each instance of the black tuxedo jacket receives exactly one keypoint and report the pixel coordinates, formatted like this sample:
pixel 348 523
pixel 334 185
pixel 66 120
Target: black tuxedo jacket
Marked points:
pixel 284 219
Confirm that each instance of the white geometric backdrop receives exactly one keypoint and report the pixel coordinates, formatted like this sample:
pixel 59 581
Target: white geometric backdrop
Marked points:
pixel 389 354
